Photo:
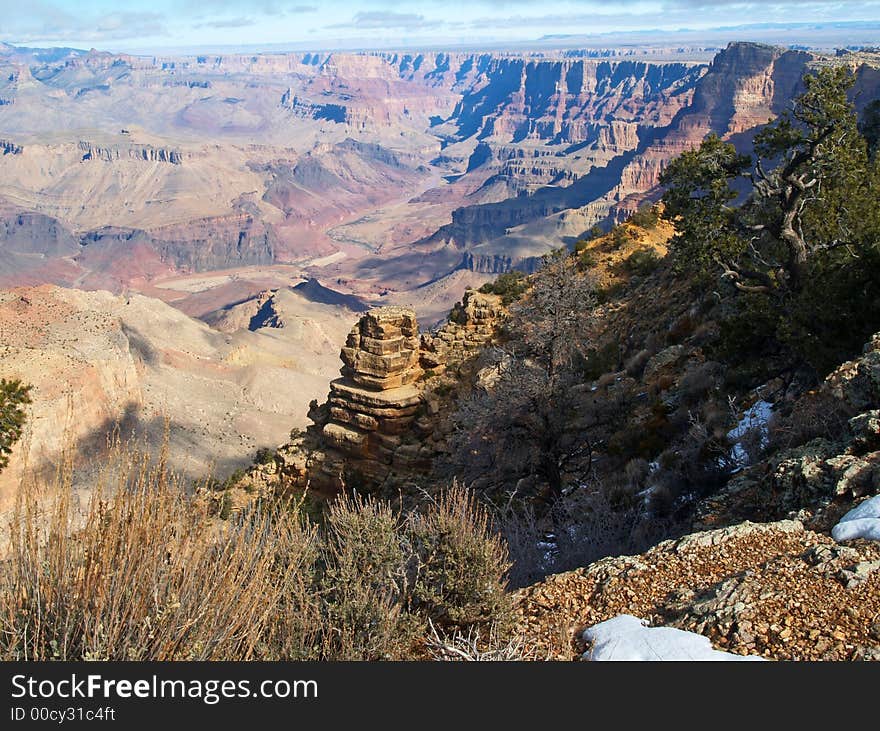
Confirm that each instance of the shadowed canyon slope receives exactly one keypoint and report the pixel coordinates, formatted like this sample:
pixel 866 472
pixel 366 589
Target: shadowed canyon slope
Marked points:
pixel 99 362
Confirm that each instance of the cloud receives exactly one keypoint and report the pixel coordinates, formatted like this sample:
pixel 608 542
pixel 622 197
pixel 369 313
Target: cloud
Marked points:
pixel 210 8
pixel 674 12
pixel 380 19
pixel 44 21
pixel 226 23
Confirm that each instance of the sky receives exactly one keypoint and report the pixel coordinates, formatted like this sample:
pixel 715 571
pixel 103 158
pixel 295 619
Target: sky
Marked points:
pixel 141 25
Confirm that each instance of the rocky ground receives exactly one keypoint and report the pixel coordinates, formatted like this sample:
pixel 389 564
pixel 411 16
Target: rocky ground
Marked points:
pixel 782 589
pixel 774 590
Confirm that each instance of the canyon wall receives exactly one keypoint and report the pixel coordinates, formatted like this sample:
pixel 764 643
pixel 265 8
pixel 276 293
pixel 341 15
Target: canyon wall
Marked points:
pixel 409 166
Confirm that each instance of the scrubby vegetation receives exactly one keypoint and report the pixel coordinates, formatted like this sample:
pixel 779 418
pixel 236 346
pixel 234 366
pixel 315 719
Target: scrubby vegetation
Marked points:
pixel 509 286
pixel 520 427
pixel 642 261
pixel 143 573
pixel 764 292
pixel 14 397
pixel 646 217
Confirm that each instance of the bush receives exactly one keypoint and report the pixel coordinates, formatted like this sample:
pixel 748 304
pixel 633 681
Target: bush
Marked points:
pixel 642 261
pixel 148 575
pixel 635 365
pixel 623 235
pixel 646 217
pixel 698 381
pixel 264 455
pixel 612 291
pixel 460 579
pixel 510 286
pixel 598 361
pixel 587 525
pixel 587 259
pixel 140 580
pixel 365 582
pixel 14 396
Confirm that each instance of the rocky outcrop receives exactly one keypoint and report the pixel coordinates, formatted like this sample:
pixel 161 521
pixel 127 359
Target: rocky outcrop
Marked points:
pixel 28 232
pixel 499 263
pixel 383 423
pixel 819 479
pixel 8 147
pixel 209 243
pixel 146 153
pixel 472 323
pixel 371 409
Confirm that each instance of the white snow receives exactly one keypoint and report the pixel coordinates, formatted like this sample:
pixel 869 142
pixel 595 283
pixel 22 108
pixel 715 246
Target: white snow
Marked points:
pixel 757 416
pixel 863 521
pixel 629 638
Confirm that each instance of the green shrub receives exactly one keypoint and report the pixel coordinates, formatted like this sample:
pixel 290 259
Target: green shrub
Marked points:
pixel 622 235
pixel 587 260
pixel 264 455
pixel 611 292
pixel 646 217
pixel 460 579
pixel 365 583
pixel 225 506
pixel 510 286
pixel 642 261
pixel 14 396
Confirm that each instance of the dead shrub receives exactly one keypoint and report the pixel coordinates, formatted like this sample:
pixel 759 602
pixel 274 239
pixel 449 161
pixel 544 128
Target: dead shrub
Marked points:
pixel 144 572
pixel 137 576
pixel 698 381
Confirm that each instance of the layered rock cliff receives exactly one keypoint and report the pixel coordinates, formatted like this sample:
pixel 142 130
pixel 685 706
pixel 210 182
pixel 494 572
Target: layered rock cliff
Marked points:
pixel 147 153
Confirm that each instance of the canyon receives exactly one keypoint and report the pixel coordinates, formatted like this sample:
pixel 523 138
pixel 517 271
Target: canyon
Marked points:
pixel 379 172
pixel 257 204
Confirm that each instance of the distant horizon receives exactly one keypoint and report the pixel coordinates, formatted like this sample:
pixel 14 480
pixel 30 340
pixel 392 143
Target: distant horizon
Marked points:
pixel 266 26
pixel 822 35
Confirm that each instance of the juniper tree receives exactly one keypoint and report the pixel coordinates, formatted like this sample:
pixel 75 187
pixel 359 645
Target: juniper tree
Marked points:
pixel 794 231
pixel 810 164
pixel 14 396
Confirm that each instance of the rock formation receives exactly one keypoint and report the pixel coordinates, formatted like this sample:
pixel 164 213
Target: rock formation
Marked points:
pixel 383 422
pixel 147 153
pixel 376 400
pixel 471 324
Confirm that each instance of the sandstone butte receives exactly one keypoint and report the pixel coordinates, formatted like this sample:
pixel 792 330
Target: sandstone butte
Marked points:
pixel 382 423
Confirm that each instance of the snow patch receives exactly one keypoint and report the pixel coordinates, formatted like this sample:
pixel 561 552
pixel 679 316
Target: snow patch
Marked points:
pixel 863 521
pixel 757 416
pixel 629 638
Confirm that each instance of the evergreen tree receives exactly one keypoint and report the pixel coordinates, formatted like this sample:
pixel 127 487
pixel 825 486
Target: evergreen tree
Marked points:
pixel 14 396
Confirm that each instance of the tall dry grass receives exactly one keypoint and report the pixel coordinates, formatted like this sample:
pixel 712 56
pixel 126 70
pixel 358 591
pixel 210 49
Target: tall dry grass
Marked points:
pixel 142 571
pixel 138 574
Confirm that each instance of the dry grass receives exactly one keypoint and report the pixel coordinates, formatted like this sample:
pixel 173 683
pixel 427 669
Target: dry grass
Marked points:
pixel 143 572
pixel 136 575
